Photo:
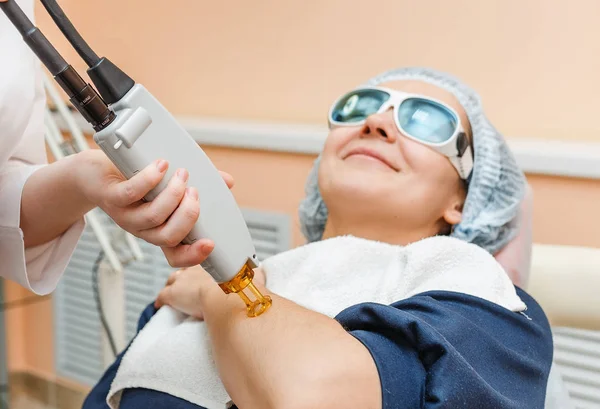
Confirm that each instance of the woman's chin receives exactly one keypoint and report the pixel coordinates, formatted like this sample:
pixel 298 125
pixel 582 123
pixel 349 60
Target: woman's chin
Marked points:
pixel 355 182
pixel 361 188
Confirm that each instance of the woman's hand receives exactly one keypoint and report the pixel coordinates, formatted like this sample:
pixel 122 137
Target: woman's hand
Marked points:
pixel 185 289
pixel 164 221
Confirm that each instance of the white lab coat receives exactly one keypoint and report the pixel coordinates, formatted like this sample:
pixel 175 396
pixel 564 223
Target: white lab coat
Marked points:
pixel 22 152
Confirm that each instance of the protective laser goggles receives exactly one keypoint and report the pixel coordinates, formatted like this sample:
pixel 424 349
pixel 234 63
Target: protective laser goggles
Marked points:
pixel 417 117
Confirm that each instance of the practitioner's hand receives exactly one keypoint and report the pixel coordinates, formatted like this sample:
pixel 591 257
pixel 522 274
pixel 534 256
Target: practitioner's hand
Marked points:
pixel 185 288
pixel 165 221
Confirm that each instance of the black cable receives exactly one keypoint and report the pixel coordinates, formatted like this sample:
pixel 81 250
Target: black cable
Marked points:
pixel 109 334
pixel 34 38
pixel 17 17
pixel 4 389
pixel 71 33
pixel 82 95
pixel 111 82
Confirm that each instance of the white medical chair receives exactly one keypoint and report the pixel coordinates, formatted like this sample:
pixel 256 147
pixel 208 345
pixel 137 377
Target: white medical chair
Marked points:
pixel 565 280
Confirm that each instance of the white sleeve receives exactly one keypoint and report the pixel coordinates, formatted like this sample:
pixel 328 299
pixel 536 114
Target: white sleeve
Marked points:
pixel 22 152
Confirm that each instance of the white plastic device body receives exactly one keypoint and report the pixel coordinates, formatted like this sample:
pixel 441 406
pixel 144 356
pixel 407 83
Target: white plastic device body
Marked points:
pixel 144 131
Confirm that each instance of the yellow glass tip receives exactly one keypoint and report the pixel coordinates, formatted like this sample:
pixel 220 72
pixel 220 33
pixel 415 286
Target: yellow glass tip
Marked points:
pixel 255 305
pixel 259 305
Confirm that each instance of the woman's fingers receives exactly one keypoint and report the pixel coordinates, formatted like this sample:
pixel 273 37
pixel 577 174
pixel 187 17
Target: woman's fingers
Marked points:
pixel 153 214
pixel 177 299
pixel 180 223
pixel 173 277
pixel 164 221
pixel 183 289
pixel 127 192
pixel 164 297
pixel 187 255
pixel 227 178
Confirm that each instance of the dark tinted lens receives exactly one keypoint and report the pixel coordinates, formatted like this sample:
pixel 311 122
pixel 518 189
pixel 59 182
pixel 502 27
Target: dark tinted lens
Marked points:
pixel 358 105
pixel 426 120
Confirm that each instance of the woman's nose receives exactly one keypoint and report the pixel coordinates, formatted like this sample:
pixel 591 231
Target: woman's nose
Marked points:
pixel 380 126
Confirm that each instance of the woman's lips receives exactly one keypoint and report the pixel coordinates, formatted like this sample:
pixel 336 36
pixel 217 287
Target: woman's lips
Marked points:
pixel 371 155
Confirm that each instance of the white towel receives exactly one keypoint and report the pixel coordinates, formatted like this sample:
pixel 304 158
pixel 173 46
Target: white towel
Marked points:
pixel 172 354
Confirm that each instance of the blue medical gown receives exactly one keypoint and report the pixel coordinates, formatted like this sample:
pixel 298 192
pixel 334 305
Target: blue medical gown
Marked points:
pixel 437 349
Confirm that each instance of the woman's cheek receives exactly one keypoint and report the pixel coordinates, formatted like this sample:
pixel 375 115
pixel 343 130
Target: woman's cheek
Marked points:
pixel 338 138
pixel 421 157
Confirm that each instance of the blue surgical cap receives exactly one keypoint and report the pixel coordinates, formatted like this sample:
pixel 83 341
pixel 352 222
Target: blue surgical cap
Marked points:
pixel 496 185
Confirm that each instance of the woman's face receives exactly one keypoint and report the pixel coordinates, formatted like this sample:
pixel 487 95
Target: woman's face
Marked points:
pixel 374 175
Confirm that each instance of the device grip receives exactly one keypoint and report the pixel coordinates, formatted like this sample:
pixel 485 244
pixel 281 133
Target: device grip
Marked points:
pixel 138 137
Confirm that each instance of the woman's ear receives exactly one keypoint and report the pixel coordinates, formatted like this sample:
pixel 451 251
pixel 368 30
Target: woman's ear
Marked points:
pixel 453 214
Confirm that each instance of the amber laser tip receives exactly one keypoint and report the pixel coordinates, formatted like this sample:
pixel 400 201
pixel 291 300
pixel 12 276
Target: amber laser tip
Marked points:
pixel 256 303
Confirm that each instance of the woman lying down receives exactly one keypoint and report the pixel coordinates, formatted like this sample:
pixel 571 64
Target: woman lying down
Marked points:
pixel 396 302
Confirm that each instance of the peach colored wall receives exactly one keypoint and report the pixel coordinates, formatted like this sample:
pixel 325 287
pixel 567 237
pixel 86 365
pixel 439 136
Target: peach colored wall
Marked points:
pixel 566 211
pixel 534 62
pixel 15 327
